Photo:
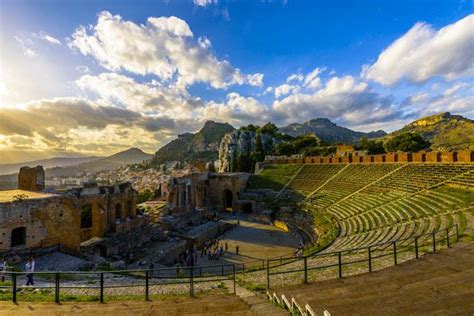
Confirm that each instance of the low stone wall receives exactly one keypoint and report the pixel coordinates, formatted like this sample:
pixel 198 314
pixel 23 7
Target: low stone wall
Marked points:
pixel 419 157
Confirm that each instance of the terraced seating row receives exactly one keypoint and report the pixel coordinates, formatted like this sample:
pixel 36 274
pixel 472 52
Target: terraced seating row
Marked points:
pixel 312 177
pixel 273 177
pixel 353 178
pixel 403 218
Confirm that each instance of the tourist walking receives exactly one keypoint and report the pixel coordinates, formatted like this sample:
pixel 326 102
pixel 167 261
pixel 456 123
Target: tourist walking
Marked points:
pixel 30 269
pixel 3 268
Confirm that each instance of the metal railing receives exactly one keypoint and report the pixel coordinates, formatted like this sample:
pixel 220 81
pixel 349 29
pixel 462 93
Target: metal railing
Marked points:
pixel 366 254
pixel 137 283
pixel 145 282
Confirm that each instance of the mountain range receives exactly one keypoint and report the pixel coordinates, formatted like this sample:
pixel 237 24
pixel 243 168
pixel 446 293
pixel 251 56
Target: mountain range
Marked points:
pixel 46 163
pixel 327 131
pixel 444 130
pixel 203 145
pixel 123 158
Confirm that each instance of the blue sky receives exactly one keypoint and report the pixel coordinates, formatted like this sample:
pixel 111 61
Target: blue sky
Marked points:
pixel 364 64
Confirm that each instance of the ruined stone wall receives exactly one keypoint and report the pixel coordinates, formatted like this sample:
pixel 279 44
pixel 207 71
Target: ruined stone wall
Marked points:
pixel 31 179
pixel 48 221
pixel 56 220
pixel 419 157
pixel 206 190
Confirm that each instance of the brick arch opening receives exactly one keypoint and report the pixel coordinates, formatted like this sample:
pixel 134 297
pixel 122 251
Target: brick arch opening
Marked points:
pixel 228 198
pixel 118 211
pixel 18 237
pixel 129 208
pixel 86 216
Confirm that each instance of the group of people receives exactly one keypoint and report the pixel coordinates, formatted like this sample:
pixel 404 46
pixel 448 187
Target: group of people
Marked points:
pixel 212 249
pixel 189 257
pixel 29 269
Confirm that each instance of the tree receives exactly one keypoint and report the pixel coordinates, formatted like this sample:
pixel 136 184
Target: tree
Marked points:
pixel 407 142
pixel 144 196
pixel 371 146
pixel 269 129
pixel 304 141
pixel 259 150
pixel 284 149
pixel 211 167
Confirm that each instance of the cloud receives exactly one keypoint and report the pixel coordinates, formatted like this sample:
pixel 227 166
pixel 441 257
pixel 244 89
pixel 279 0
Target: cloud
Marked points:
pixel 164 47
pixel 423 53
pixel 26 44
pixel 203 3
pixel 343 98
pixel 295 77
pixel 312 81
pixel 112 88
pixel 50 39
pixel 285 89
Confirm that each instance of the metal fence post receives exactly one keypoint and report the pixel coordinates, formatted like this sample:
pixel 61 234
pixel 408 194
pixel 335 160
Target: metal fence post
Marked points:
pixel 233 272
pixel 305 270
pixel 147 285
pixel 57 288
pixel 434 242
pixel 339 257
pixel 416 247
pixel 370 259
pixel 268 274
pixel 14 287
pixel 447 237
pixel 102 287
pixel 395 252
pixel 191 282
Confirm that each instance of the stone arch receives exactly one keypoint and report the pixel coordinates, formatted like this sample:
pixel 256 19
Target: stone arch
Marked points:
pixel 395 158
pixel 129 209
pixel 455 156
pixel 384 158
pixel 321 160
pixel 361 158
pixel 18 237
pixel 228 198
pixel 372 158
pixel 339 160
pixel 312 160
pixel 423 157
pixel 118 211
pixel 86 216
pixel 438 157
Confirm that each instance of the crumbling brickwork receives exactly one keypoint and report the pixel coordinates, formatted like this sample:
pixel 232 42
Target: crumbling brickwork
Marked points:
pixel 68 219
pixel 31 179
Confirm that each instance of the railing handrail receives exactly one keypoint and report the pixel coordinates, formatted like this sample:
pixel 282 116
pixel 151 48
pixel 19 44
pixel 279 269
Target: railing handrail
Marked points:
pixel 317 254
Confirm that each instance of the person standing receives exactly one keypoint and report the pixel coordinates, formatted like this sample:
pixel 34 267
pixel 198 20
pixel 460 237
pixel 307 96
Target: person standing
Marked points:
pixel 3 268
pixel 30 269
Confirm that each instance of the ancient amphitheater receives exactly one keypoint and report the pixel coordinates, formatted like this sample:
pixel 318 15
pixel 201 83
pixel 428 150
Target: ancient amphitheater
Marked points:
pixel 398 240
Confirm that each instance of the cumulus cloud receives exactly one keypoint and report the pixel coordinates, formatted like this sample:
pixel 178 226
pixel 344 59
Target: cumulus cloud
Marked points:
pixel 203 3
pixel 343 98
pixel 285 89
pixel 26 44
pixel 164 46
pixel 423 53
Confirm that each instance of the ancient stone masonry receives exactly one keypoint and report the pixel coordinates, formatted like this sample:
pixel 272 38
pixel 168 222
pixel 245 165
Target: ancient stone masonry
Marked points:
pixel 31 179
pixel 401 157
pixel 32 220
pixel 207 191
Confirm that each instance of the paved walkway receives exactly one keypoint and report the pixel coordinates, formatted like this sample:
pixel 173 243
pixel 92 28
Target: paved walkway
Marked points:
pixel 256 242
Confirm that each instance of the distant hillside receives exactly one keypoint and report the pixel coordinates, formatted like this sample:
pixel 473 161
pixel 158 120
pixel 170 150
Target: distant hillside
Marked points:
pixel 46 163
pixel 203 145
pixel 444 131
pixel 327 131
pixel 129 156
